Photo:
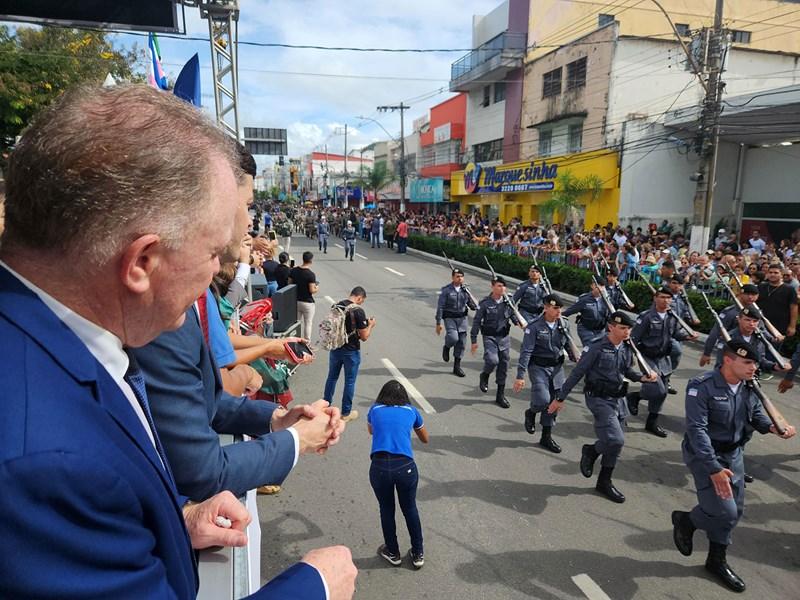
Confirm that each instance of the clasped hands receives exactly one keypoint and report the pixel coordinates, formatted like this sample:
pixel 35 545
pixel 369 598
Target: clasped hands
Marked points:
pixel 319 425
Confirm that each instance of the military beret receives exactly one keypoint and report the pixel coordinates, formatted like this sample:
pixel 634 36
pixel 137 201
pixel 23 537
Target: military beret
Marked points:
pixel 457 271
pixel 676 278
pixel 749 288
pixel 553 300
pixel 601 281
pixel 664 290
pixel 535 268
pixel 621 318
pixel 743 349
pixel 498 280
pixel 750 312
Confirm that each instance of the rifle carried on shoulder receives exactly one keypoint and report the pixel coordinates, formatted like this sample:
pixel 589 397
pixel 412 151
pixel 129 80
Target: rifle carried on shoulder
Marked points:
pixel 773 331
pixel 545 280
pixel 507 299
pixel 466 289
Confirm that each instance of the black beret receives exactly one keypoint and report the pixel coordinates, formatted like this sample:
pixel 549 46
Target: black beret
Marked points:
pixel 457 271
pixel 665 290
pixel 498 280
pixel 553 300
pixel 749 288
pixel 743 349
pixel 535 268
pixel 621 318
pixel 751 312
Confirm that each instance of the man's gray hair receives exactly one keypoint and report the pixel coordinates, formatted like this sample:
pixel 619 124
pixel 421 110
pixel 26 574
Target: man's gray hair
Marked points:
pixel 102 166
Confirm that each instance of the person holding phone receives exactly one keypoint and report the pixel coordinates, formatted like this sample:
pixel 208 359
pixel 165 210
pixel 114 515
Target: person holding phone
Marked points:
pixel 390 421
pixel 306 281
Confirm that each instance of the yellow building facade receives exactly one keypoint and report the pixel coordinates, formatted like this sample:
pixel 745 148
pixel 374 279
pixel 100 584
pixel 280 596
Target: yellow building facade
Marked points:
pixel 519 189
pixel 762 24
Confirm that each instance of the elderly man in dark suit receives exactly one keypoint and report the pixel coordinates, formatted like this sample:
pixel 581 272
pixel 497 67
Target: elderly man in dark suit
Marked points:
pixel 96 257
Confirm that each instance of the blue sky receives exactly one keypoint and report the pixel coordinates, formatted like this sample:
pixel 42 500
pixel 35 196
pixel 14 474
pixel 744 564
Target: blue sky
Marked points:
pixel 311 107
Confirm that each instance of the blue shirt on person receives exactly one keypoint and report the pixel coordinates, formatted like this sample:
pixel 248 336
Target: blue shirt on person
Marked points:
pixel 218 340
pixel 391 428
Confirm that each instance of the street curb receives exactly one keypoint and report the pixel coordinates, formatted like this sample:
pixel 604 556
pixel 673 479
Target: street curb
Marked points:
pixel 569 298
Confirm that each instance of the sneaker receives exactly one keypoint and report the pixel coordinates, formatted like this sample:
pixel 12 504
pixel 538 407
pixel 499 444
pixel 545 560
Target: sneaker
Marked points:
pixel 390 557
pixel 416 559
pixel 351 416
pixel 268 490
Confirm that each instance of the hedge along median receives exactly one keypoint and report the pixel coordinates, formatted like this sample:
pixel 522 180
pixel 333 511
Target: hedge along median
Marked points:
pixel 563 278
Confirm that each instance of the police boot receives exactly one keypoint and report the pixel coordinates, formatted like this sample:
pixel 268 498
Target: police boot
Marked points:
pixel 500 398
pixel 547 442
pixel 530 421
pixel 633 402
pixel 588 458
pixel 671 390
pixel 484 382
pixel 445 354
pixel 653 427
pixel 457 370
pixel 717 565
pixel 606 487
pixel 682 531
pixel 748 478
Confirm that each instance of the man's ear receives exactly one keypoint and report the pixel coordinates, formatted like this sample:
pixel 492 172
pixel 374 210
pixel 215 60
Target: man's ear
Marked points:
pixel 140 260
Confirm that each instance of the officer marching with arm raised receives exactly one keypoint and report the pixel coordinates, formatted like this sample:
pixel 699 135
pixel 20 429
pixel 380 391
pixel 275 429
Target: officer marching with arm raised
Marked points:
pixel 653 334
pixel 493 320
pixel 542 356
pixel 530 294
pixel 604 364
pixel 592 314
pixel 454 302
pixel 728 315
pixel 681 308
pixel 721 410
pixel 744 330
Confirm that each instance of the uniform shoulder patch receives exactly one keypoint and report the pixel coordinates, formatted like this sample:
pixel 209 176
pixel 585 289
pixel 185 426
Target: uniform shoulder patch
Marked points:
pixel 691 392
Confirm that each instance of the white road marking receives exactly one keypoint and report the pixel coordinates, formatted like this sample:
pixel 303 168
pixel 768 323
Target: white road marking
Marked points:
pixel 339 246
pixel 395 272
pixel 412 391
pixel 590 589
pixel 329 299
pixel 361 256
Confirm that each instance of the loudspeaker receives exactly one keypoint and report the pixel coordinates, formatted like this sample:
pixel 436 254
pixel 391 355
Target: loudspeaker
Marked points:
pixel 259 284
pixel 284 308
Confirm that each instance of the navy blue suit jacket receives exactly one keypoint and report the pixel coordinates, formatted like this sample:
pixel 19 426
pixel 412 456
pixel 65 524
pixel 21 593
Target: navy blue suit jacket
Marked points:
pixel 87 509
pixel 190 409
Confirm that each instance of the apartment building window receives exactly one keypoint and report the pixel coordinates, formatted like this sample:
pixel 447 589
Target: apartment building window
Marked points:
pixel 487 95
pixel 551 83
pixel 575 139
pixel 576 74
pixel 499 91
pixel 740 37
pixel 488 151
pixel 683 30
pixel 545 142
pixel 603 20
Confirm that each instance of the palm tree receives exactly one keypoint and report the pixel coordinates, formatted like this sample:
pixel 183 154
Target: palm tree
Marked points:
pixel 376 179
pixel 565 200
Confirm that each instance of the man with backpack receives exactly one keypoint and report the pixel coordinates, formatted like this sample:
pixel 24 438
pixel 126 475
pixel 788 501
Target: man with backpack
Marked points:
pixel 342 332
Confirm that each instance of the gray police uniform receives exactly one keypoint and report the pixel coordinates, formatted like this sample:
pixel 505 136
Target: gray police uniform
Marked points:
pixel 592 318
pixel 615 295
pixel 604 365
pixel 728 317
pixel 452 308
pixel 718 423
pixel 349 237
pixel 653 335
pixel 542 356
pixel 529 299
pixel 323 231
pixel 493 320
pixel 681 308
pixel 764 362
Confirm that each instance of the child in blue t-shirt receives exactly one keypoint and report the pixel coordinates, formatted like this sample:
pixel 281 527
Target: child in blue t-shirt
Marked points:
pixel 391 421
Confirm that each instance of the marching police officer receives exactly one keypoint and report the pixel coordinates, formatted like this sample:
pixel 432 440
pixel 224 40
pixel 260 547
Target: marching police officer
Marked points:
pixel 653 333
pixel 542 356
pixel 493 320
pixel 721 410
pixel 530 294
pixel 323 231
pixel 454 300
pixel 745 331
pixel 604 364
pixel 748 296
pixel 680 306
pixel 349 237
pixel 615 291
pixel 593 314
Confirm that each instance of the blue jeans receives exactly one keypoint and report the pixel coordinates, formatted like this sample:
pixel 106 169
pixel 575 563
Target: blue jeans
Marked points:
pixel 272 287
pixel 387 473
pixel 350 360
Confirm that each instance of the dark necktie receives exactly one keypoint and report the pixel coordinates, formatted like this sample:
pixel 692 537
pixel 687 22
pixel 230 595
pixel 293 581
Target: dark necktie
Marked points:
pixel 135 378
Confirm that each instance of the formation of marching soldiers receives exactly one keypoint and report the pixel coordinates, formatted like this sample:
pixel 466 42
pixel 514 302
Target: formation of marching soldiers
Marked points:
pixel 723 406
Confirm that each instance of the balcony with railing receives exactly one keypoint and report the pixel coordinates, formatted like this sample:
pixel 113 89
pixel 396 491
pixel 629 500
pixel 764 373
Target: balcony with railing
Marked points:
pixel 494 59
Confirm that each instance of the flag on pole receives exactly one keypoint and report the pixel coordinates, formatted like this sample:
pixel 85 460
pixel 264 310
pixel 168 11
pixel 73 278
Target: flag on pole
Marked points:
pixel 155 74
pixel 187 86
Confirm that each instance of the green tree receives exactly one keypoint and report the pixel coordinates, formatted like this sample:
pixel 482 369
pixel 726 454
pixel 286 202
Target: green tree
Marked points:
pixel 570 191
pixel 38 64
pixel 376 179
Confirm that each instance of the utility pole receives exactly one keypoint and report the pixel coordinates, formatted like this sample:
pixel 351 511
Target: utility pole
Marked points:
pixel 401 107
pixel 708 135
pixel 361 177
pixel 326 175
pixel 339 131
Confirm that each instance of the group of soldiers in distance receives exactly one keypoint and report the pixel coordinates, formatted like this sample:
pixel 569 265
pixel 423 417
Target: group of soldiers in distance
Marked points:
pixel 723 406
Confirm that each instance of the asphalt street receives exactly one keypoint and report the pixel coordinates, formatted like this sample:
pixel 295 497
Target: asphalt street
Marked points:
pixel 503 518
